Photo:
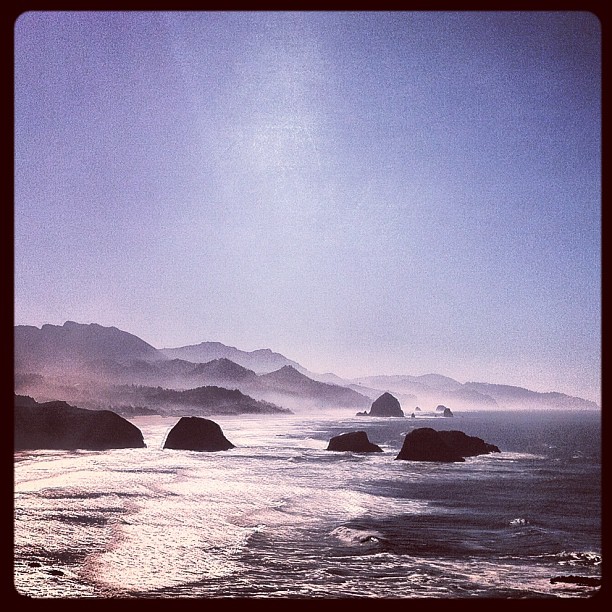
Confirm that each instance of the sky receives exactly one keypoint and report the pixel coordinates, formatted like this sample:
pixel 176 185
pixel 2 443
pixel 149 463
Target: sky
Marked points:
pixel 364 192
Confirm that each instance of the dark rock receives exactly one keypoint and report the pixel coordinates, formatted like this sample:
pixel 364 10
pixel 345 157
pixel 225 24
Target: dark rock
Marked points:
pixel 364 413
pixel 426 444
pixel 440 408
pixel 412 416
pixel 467 446
pixel 355 441
pixel 197 434
pixel 34 564
pixel 25 400
pixel 417 409
pixel 447 412
pixel 386 406
pixel 57 425
pixel 55 572
pixel 581 580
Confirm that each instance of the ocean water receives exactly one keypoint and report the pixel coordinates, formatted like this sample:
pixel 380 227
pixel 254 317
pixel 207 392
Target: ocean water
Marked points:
pixel 280 517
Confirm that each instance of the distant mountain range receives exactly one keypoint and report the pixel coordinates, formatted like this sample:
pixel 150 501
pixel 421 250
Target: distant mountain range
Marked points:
pixel 260 361
pixel 98 366
pixel 61 345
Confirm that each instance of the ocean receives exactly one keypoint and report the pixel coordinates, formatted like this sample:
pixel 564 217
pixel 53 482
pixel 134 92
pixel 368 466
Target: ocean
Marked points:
pixel 281 517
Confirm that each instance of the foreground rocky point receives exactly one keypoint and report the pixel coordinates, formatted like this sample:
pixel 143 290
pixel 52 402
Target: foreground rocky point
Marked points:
pixel 58 425
pixel 579 580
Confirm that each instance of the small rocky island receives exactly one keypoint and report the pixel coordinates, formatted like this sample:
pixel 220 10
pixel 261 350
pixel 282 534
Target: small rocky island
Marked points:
pixel 442 409
pixel 579 580
pixel 197 434
pixel 58 425
pixel 385 406
pixel 427 444
pixel 355 441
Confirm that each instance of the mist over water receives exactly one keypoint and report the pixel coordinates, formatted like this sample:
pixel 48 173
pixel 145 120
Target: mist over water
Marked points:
pixel 279 516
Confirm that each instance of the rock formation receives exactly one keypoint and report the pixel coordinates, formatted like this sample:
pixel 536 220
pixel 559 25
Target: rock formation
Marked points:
pixel 197 434
pixel 386 406
pixel 447 412
pixel 355 441
pixel 427 444
pixel 580 580
pixel 57 425
pixel 467 446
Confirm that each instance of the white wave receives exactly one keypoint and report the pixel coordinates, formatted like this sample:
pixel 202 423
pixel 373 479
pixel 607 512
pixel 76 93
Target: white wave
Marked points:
pixel 351 536
pixel 149 519
pixel 514 456
pixel 579 558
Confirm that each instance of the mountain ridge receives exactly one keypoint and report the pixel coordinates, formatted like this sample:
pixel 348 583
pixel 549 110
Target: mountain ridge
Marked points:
pixel 261 361
pixel 120 353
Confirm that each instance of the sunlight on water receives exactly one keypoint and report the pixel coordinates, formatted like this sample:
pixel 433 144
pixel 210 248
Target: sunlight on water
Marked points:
pixel 280 516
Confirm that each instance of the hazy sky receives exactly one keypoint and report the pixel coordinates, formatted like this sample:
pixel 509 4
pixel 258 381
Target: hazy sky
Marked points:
pixel 364 192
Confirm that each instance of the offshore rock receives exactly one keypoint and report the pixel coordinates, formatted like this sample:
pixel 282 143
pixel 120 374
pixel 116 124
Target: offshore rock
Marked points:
pixel 447 412
pixel 581 580
pixel 467 446
pixel 57 425
pixel 426 444
pixel 197 434
pixel 386 406
pixel 355 441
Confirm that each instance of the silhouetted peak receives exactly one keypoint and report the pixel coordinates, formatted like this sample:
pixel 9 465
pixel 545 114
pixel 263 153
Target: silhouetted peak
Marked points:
pixel 288 372
pixel 386 405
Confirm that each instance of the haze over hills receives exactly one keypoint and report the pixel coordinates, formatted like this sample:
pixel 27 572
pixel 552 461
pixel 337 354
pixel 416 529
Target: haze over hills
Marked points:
pixel 60 345
pixel 411 383
pixel 87 362
pixel 288 381
pixel 432 389
pixel 261 361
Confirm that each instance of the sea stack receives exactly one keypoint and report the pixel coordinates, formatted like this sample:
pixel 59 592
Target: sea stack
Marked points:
pixel 427 444
pixel 386 406
pixel 467 446
pixel 355 441
pixel 197 434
